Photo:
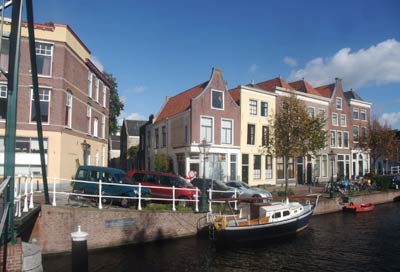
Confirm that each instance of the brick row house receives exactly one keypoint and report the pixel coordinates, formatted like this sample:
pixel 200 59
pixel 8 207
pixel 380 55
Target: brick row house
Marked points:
pixel 74 101
pixel 183 122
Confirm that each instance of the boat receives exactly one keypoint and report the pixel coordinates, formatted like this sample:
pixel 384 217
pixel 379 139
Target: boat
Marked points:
pixel 364 207
pixel 396 199
pixel 264 221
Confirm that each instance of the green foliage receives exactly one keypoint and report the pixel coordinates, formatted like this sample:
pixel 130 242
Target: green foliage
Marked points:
pixel 166 207
pixel 132 151
pixel 161 163
pixel 116 105
pixel 382 182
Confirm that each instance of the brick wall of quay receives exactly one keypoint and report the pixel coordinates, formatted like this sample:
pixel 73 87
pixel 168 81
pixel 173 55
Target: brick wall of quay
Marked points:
pixel 109 227
pixel 14 257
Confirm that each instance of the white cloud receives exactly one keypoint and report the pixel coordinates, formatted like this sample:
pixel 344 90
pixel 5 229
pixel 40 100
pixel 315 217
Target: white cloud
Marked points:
pixel 376 65
pixel 291 62
pixel 253 68
pixel 392 119
pixel 97 62
pixel 131 116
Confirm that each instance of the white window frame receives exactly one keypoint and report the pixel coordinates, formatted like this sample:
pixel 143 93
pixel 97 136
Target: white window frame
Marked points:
pixel 311 111
pixel 339 103
pixel 45 52
pixel 358 113
pixel 358 134
pixel 333 138
pixel 322 112
pixel 253 107
pixel 3 95
pixel 97 83
pixel 213 91
pixel 104 96
pixel 89 119
pixel 363 115
pixel 226 132
pixel 69 109
pixel 95 127
pixel 348 139
pixel 343 120
pixel 42 98
pixel 261 108
pixel 333 119
pixel 90 84
pixel 207 132
pixel 103 126
pixel 339 141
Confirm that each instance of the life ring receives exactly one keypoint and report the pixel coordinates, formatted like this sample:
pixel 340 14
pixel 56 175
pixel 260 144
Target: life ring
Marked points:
pixel 220 223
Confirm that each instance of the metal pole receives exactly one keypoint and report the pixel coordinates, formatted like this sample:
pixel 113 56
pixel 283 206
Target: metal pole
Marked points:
pixel 331 190
pixel 35 84
pixel 11 120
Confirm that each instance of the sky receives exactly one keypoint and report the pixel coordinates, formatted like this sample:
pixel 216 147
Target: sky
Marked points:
pixel 160 48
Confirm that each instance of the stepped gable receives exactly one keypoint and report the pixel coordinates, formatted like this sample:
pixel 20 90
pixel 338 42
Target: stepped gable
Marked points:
pixel 326 90
pixel 271 84
pixel 180 102
pixel 304 86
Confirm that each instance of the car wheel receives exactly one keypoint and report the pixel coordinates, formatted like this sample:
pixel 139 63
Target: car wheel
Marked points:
pixel 124 202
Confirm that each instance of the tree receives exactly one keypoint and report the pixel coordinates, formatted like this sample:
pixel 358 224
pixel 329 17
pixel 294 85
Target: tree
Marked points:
pixel 295 132
pixel 161 163
pixel 116 105
pixel 132 151
pixel 379 141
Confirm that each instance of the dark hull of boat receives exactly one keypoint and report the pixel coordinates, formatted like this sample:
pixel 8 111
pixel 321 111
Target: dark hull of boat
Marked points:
pixel 264 231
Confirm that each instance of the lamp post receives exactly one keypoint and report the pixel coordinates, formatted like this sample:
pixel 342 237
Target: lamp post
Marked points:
pixel 332 157
pixel 204 147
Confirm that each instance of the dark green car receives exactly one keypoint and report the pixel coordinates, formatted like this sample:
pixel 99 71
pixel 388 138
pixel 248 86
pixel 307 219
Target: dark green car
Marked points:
pixel 118 177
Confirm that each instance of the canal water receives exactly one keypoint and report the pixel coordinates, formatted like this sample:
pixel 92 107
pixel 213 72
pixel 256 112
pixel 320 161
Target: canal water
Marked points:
pixel 333 242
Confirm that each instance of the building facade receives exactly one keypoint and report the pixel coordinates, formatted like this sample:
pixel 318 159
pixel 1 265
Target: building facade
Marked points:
pixel 74 102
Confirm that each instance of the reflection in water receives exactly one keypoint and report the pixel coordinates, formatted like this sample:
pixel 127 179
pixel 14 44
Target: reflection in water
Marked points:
pixel 334 242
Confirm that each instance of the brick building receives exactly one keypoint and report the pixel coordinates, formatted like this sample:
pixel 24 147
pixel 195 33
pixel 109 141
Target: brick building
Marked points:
pixel 74 101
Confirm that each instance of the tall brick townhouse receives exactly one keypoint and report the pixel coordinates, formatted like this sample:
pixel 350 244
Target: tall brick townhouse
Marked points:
pixel 204 112
pixel 74 101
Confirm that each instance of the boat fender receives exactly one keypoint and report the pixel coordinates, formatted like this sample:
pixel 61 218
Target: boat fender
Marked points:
pixel 220 223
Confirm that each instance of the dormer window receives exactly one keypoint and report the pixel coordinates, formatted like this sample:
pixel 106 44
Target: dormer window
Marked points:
pixel 217 100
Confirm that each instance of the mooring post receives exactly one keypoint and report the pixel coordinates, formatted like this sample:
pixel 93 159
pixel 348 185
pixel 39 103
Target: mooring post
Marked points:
pixel 79 250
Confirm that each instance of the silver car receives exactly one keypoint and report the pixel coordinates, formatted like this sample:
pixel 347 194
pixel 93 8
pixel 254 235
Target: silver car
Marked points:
pixel 246 191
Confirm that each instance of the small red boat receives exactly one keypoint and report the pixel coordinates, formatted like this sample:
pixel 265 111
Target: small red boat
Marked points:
pixel 365 207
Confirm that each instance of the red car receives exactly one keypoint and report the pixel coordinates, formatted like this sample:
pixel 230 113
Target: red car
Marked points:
pixel 163 183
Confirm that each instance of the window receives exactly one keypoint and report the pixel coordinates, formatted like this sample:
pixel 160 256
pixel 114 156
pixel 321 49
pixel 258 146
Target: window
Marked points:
pixel 355 114
pixel 253 107
pixel 340 139
pixel 103 126
pixel 3 102
pixel 343 120
pixel 156 137
pixel 322 113
pixel 217 99
pixel 90 78
pixel 324 168
pixel 363 115
pixel 333 138
pixel 279 168
pixel 206 130
pixel 265 136
pixel 44 54
pixel 363 132
pixel 245 167
pixel 268 166
pixel 291 168
pixel 355 133
pixel 311 111
pixel 257 167
pixel 226 132
pixel 233 167
pixel 4 54
pixel 346 139
pixel 251 129
pixel 29 145
pixel 338 103
pixel 89 118
pixel 164 136
pixel 68 110
pixel 44 98
pixel 96 95
pixel 104 96
pixel 95 127
pixel 264 108
pixel 334 119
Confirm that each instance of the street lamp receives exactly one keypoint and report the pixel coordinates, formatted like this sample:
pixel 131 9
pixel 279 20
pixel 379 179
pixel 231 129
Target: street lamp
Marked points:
pixel 204 147
pixel 332 157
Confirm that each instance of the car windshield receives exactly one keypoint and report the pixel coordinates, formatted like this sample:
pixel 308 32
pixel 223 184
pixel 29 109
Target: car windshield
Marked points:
pixel 122 177
pixel 244 185
pixel 219 185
